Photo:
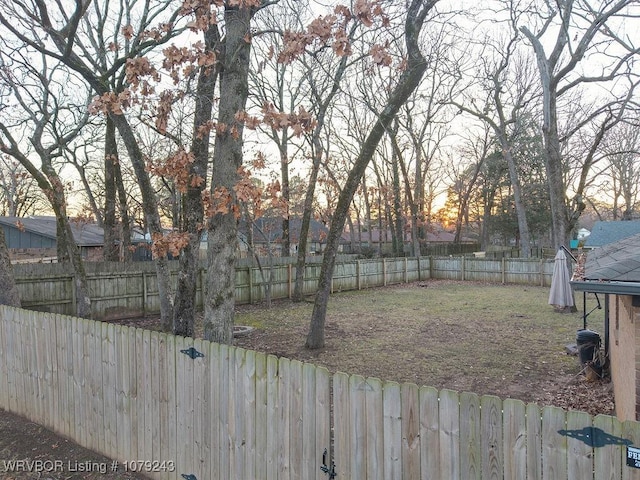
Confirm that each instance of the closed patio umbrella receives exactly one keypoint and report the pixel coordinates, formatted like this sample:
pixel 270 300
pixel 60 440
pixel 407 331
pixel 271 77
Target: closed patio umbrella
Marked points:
pixel 561 294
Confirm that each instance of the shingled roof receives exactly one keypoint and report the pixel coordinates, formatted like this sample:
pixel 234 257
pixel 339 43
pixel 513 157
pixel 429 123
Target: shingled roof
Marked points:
pixel 85 234
pixel 270 229
pixel 613 268
pixel 604 233
pixel 618 261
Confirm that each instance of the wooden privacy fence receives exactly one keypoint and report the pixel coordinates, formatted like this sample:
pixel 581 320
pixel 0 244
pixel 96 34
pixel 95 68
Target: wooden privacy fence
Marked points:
pixel 130 289
pixel 189 407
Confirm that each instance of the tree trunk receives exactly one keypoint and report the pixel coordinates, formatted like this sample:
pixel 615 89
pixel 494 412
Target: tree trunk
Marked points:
pixel 397 210
pixel 152 217
pixel 521 211
pixel 125 221
pixel 267 279
pixel 192 208
pixel 352 234
pixel 286 196
pixel 9 294
pixel 318 152
pixel 91 198
pixel 110 250
pixel 413 204
pixel 489 199
pixel 67 244
pixel 298 288
pixel 367 212
pixel 418 199
pixel 553 166
pixel 227 158
pixel 380 226
pixel 62 250
pixel 407 83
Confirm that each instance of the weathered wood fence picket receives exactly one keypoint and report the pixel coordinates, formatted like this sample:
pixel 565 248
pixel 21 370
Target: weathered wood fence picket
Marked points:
pixel 219 412
pixel 130 289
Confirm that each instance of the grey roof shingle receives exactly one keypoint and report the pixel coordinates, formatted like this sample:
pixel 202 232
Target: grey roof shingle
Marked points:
pixel 617 261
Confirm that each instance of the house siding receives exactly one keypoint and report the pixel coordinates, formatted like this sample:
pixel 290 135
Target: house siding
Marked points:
pixel 625 367
pixel 635 319
pixel 17 239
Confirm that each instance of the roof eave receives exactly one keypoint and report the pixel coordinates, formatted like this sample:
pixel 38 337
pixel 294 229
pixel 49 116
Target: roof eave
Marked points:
pixel 616 288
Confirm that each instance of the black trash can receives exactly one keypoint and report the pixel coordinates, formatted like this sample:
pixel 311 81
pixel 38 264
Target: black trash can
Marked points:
pixel 588 343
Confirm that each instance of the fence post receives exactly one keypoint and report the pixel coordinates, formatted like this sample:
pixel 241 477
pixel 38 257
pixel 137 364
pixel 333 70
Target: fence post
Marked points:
pixel 542 272
pixel 357 274
pixel 202 284
pixel 144 294
pixel 289 281
pixel 384 272
pixel 406 273
pixel 250 286
pixel 462 266
pixel 430 266
pixel 504 267
pixel 74 296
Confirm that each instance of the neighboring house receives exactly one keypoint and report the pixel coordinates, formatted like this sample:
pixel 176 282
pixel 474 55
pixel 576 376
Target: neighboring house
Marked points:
pixel 614 270
pixel 267 234
pixel 604 233
pixel 34 238
pixel 382 239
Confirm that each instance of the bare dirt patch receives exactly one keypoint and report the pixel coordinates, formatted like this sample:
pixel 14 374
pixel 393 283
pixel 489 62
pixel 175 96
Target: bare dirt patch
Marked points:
pixel 30 451
pixel 502 340
pixel 489 339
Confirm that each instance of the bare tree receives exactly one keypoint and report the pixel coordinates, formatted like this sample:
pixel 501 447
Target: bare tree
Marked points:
pixel 49 118
pixel 506 82
pixel 324 83
pixel 579 33
pixel 422 128
pixel 19 193
pixel 102 46
pixel 345 132
pixel 622 169
pixel 281 86
pixel 465 170
pixel 407 82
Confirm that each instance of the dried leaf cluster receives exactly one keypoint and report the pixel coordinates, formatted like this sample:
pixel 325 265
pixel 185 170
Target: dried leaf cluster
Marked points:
pixel 332 30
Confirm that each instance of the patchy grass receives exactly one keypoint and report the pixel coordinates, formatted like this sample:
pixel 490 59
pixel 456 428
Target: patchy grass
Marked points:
pixel 503 340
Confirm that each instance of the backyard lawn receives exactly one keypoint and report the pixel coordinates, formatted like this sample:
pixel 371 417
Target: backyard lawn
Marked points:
pixel 502 340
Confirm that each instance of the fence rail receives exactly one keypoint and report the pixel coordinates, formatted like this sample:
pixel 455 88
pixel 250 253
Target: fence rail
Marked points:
pixel 119 290
pixel 230 413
